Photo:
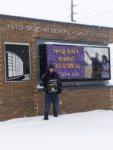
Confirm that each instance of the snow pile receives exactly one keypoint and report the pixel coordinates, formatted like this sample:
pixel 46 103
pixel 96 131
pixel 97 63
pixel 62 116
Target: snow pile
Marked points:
pixel 80 131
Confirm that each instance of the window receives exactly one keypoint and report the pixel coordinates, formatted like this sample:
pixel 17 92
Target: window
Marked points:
pixel 17 62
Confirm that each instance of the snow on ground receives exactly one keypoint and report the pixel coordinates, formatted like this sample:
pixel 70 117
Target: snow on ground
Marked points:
pixel 91 130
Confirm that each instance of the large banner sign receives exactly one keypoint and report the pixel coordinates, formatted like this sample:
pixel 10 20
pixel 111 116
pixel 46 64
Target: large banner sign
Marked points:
pixel 79 62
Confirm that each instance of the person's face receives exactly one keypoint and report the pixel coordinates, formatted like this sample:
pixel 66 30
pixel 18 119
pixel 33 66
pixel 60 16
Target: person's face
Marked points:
pixel 103 59
pixel 51 70
pixel 97 55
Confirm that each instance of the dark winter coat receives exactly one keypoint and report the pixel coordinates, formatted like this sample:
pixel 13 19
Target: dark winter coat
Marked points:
pixel 52 82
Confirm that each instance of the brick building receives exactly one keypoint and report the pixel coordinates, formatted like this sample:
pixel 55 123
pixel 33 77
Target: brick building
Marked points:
pixel 21 96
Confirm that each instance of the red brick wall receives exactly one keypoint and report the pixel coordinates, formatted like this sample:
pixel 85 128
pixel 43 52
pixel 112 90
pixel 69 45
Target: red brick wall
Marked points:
pixel 19 99
pixel 80 99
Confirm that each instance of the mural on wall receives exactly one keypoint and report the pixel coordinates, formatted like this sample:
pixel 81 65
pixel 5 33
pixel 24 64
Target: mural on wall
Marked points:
pixel 17 62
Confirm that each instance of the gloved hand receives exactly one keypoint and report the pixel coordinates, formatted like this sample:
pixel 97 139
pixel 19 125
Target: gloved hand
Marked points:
pixel 59 91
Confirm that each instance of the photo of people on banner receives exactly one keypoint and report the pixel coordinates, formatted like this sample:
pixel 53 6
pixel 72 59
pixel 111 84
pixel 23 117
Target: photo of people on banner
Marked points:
pixel 17 62
pixel 97 63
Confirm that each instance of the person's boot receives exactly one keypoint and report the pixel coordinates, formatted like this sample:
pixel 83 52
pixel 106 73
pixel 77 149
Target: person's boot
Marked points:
pixel 55 115
pixel 46 118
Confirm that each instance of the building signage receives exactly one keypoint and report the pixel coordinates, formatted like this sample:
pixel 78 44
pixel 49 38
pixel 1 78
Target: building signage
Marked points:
pixel 94 34
pixel 68 60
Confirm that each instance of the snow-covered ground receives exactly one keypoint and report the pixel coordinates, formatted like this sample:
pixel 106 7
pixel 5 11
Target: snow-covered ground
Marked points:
pixel 91 130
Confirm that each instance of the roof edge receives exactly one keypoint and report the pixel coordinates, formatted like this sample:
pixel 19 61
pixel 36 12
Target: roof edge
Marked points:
pixel 4 16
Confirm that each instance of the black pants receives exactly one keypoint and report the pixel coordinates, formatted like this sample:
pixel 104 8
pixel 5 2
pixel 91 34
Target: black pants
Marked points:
pixel 51 97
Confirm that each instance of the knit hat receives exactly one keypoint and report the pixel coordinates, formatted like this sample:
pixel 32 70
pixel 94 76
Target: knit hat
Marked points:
pixel 51 66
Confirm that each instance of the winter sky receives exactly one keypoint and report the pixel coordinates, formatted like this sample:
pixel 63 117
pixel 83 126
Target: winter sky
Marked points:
pixel 95 12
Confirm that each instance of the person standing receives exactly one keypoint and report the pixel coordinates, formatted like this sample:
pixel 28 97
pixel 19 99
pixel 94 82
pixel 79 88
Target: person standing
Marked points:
pixel 96 65
pixel 52 87
pixel 105 67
